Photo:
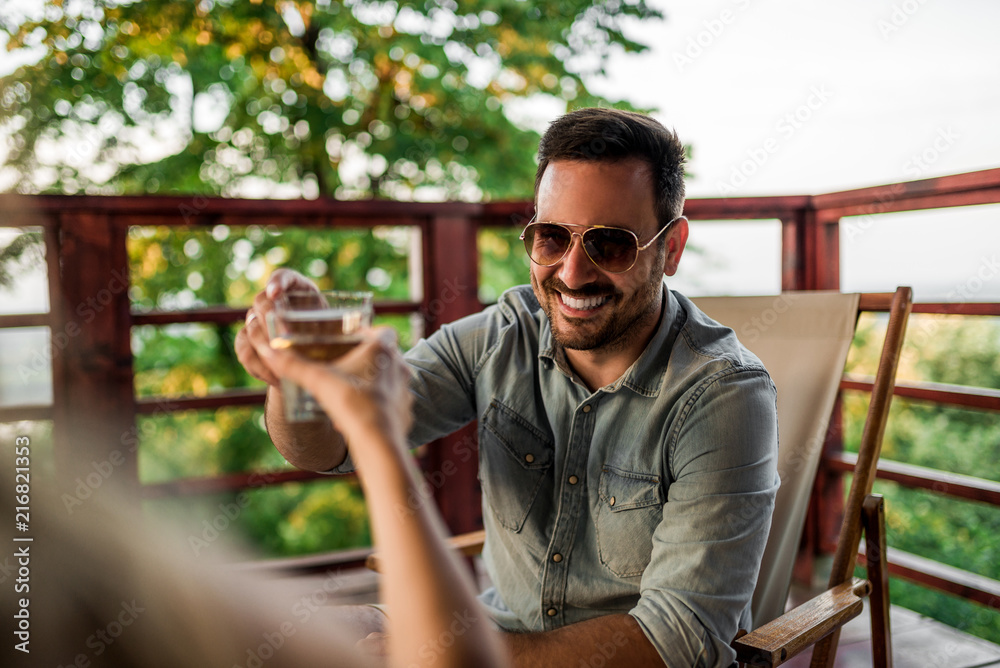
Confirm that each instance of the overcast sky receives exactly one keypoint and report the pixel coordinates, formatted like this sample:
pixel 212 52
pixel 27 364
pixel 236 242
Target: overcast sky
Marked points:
pixel 790 97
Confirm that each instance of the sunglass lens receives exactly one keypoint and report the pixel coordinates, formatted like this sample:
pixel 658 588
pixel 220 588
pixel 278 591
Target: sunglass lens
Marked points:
pixel 546 244
pixel 612 250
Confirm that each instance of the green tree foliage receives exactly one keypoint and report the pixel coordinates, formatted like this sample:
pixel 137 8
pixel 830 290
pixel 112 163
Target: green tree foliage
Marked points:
pixel 24 249
pixel 189 267
pixel 963 534
pixel 407 100
pixel 347 99
pixel 502 262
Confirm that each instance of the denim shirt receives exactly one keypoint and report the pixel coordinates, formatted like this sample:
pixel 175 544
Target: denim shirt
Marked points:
pixel 651 496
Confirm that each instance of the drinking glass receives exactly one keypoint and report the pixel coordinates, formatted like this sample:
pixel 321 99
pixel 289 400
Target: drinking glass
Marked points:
pixel 320 326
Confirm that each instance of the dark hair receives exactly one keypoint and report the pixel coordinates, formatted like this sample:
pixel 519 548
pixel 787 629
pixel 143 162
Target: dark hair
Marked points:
pixel 611 135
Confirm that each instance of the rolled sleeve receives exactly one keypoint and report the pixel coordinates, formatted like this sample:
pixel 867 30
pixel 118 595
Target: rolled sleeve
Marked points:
pixel 707 549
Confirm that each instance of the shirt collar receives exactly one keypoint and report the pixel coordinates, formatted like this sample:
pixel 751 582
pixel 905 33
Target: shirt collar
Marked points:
pixel 645 375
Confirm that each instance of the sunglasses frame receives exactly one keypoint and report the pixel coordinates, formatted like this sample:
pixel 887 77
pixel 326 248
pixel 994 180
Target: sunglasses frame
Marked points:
pixel 566 226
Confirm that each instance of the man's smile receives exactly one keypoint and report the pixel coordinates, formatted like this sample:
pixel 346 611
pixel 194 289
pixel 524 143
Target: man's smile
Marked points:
pixel 585 304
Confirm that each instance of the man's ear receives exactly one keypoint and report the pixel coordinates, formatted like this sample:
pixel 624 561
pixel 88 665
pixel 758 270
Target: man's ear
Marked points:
pixel 677 237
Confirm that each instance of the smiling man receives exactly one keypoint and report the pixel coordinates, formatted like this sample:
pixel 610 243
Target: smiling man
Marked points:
pixel 627 442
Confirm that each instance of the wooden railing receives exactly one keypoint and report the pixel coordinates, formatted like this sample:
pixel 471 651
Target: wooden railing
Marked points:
pixel 93 391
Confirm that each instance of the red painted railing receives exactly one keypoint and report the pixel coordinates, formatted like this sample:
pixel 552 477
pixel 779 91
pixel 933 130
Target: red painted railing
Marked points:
pixel 93 391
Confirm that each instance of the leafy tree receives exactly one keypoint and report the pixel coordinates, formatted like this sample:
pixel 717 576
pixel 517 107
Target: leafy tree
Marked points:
pixel 964 534
pixel 349 99
pixel 406 100
pixel 23 250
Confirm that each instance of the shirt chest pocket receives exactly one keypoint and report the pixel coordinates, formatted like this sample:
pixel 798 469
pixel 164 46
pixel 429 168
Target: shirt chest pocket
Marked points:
pixel 630 506
pixel 514 462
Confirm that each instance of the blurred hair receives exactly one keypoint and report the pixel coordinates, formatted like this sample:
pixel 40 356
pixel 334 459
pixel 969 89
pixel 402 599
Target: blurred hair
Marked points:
pixel 613 135
pixel 112 587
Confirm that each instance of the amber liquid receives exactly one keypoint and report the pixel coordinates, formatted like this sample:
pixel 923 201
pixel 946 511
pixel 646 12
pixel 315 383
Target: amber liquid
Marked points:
pixel 321 348
pixel 321 335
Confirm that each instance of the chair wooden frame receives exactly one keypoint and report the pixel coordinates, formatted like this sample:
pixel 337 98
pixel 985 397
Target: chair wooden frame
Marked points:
pixel 817 622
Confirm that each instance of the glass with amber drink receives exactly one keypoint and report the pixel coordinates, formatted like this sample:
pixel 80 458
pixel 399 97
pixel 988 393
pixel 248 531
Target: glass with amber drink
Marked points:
pixel 321 326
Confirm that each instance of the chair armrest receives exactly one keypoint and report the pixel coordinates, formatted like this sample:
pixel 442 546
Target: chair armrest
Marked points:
pixel 781 639
pixel 467 544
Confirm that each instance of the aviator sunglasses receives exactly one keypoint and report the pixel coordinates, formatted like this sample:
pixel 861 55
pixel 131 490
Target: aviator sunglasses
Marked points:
pixel 613 249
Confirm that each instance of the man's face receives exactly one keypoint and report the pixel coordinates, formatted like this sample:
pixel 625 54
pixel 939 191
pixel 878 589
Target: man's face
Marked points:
pixel 590 309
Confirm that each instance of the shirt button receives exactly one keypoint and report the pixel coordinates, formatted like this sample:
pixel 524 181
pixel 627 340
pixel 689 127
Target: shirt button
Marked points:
pixel 612 501
pixel 557 557
pixel 529 458
pixel 573 480
pixel 586 409
pixel 551 612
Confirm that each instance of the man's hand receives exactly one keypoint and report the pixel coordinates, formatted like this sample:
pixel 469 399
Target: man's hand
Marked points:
pixel 255 333
pixel 364 391
pixel 313 446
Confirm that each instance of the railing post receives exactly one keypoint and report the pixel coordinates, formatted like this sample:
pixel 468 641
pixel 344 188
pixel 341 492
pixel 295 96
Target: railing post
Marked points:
pixel 794 253
pixel 451 291
pixel 828 492
pixel 811 261
pixel 94 431
pixel 826 264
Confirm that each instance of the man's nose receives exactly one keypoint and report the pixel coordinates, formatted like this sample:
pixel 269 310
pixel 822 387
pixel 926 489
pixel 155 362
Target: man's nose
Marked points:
pixel 576 269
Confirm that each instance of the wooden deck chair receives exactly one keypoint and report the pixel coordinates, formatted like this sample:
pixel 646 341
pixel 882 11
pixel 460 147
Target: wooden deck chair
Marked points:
pixel 803 339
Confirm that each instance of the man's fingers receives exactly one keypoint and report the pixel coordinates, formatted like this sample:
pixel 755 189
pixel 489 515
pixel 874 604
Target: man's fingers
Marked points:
pixel 253 338
pixel 248 342
pixel 284 280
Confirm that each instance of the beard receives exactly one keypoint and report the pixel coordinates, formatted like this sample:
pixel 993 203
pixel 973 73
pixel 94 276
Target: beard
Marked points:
pixel 626 319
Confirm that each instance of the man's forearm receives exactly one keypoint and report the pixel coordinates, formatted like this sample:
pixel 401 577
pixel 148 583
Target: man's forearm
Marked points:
pixel 313 446
pixel 616 639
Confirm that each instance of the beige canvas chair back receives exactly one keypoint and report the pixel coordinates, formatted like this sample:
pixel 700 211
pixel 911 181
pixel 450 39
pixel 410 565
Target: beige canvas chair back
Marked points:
pixel 803 339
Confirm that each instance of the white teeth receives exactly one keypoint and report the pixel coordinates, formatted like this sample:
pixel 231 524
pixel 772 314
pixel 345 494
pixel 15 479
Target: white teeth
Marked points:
pixel 583 304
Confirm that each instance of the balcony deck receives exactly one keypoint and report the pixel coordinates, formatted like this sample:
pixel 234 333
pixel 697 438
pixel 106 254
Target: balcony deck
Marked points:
pixel 917 641
pixel 94 393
